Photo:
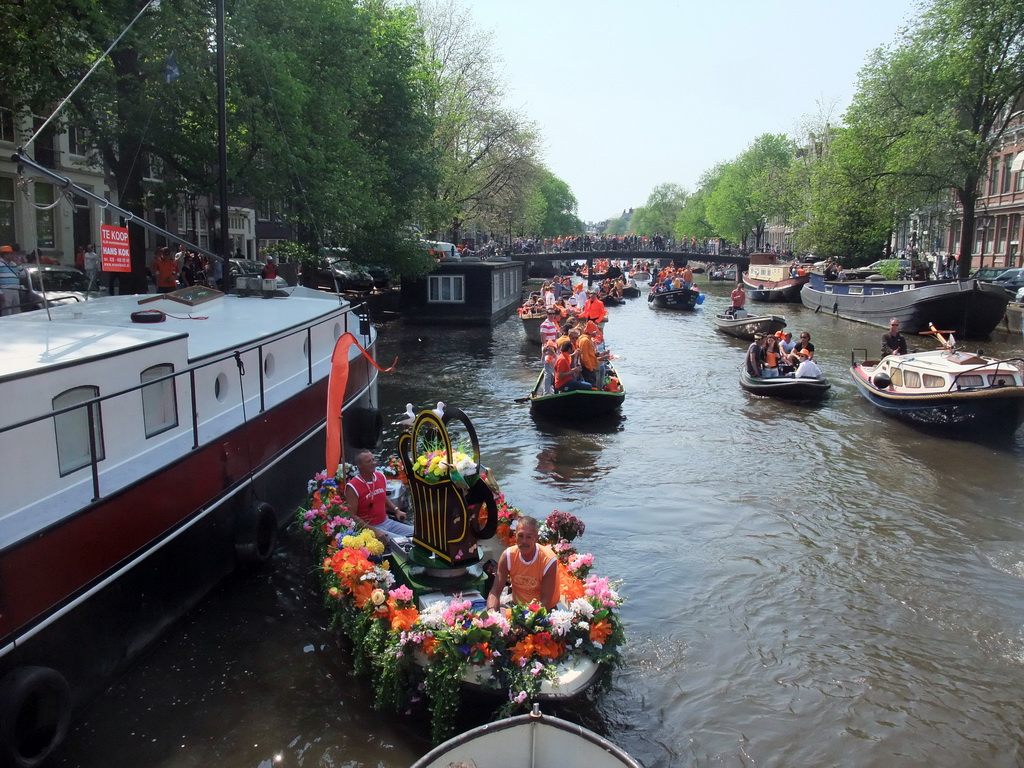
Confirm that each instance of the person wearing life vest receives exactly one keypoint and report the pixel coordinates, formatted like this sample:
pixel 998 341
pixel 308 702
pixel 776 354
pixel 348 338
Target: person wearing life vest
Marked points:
pixel 594 309
pixel 529 567
pixel 366 497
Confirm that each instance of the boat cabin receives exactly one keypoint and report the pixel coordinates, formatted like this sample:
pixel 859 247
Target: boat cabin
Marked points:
pixel 937 372
pixel 766 267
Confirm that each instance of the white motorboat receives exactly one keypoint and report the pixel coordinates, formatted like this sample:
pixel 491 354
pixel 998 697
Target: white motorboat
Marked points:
pixel 528 741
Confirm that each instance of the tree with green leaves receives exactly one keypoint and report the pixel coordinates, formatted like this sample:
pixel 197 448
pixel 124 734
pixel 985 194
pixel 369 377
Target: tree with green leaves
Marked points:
pixel 932 108
pixel 551 207
pixel 658 215
pixel 486 153
pixel 753 189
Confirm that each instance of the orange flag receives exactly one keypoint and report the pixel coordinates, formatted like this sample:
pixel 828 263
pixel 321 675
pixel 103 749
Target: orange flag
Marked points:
pixel 336 397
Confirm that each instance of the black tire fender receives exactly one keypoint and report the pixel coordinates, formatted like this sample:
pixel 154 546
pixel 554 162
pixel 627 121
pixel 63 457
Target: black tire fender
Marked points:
pixel 148 316
pixel 363 427
pixel 256 531
pixel 35 713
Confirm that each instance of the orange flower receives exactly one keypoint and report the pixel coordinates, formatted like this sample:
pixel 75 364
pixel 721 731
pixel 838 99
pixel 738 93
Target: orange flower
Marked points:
pixel 429 644
pixel 504 534
pixel 361 593
pixel 402 619
pixel 600 630
pixel 523 650
pixel 546 646
pixel 569 585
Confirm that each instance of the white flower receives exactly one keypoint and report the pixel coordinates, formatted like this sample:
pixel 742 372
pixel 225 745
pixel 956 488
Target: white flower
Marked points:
pixel 582 607
pixel 431 617
pixel 561 621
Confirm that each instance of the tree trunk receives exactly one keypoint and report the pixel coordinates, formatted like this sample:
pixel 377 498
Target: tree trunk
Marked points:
pixel 967 200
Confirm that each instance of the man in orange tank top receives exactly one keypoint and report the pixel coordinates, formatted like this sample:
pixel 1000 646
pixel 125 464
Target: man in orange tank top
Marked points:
pixel 531 568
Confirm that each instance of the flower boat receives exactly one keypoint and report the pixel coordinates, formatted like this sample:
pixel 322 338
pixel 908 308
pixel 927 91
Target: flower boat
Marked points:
pixel 743 325
pixel 684 298
pixel 958 394
pixel 416 616
pixel 767 280
pixel 528 741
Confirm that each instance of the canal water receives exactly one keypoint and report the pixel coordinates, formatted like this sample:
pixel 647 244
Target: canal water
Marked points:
pixel 807 585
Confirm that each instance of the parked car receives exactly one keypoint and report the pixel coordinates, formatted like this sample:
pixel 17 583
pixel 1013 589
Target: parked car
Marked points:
pixel 252 268
pixel 915 269
pixel 987 273
pixel 442 250
pixel 381 275
pixel 1011 280
pixel 342 275
pixel 62 284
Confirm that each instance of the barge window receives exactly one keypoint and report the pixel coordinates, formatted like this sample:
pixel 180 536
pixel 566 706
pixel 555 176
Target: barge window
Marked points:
pixel 971 380
pixel 856 290
pixel 896 376
pixel 446 289
pixel 931 381
pixel 912 379
pixel 159 404
pixel 72 429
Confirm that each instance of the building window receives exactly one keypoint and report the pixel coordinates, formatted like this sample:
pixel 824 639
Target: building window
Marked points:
pixel 1001 224
pixel 45 237
pixel 77 138
pixel 72 428
pixel 159 406
pixel 1020 179
pixel 7 235
pixel 1007 174
pixel 446 289
pixel 993 176
pixel 7 126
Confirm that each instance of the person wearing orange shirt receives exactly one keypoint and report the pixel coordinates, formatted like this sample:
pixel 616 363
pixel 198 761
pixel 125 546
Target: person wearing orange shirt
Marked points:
pixel 530 568
pixel 165 271
pixel 588 358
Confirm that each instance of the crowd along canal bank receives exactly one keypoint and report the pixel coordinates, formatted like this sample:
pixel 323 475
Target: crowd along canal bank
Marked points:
pixel 813 585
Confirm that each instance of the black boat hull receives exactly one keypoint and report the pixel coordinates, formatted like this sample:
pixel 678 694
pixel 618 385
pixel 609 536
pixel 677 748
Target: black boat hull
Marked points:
pixel 968 308
pixel 579 405
pixel 785 387
pixel 684 299
pixel 993 413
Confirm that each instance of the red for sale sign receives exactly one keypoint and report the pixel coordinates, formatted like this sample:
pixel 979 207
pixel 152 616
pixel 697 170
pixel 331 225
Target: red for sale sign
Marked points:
pixel 116 255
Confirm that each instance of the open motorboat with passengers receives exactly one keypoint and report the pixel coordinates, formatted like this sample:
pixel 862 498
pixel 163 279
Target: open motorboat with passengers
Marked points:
pixel 956 393
pixel 743 325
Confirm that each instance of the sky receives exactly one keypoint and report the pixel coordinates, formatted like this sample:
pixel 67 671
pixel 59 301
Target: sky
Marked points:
pixel 629 94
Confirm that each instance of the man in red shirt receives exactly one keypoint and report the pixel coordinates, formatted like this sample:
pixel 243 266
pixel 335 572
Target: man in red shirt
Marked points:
pixel 367 499
pixel 165 270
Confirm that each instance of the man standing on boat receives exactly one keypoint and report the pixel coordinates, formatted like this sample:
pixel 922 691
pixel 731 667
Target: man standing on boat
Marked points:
pixel 755 356
pixel 739 299
pixel 549 328
pixel 893 342
pixel 531 568
pixel 366 496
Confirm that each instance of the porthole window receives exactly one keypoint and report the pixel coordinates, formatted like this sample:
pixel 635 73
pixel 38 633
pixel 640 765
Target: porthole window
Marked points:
pixel 220 387
pixel 159 405
pixel 72 428
pixel 268 365
pixel 337 331
pixel 305 348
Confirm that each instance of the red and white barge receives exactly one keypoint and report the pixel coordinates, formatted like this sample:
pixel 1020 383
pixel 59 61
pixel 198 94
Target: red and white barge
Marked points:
pixel 142 463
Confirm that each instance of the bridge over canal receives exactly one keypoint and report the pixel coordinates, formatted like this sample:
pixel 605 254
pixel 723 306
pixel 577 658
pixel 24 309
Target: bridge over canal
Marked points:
pixel 662 258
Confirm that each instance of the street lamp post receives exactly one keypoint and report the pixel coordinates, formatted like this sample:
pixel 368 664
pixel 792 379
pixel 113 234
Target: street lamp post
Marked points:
pixel 510 216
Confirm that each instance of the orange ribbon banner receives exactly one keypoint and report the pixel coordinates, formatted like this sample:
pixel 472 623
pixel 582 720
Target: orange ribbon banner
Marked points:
pixel 336 397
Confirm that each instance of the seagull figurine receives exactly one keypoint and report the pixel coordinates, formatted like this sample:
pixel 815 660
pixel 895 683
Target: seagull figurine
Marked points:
pixel 439 410
pixel 410 417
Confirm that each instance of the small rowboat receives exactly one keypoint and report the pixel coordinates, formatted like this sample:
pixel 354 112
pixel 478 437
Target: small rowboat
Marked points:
pixel 578 405
pixel 684 298
pixel 785 387
pixel 531 326
pixel 744 326
pixel 528 741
